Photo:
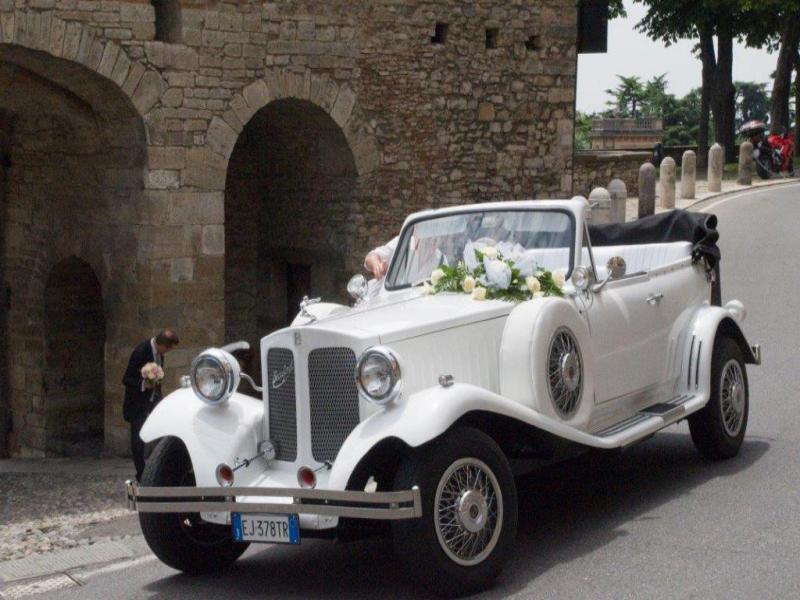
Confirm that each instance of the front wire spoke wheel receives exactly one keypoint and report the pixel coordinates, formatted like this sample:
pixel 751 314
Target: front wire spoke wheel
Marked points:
pixel 469 511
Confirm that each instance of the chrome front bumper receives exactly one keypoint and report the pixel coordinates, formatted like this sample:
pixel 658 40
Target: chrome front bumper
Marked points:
pixel 351 504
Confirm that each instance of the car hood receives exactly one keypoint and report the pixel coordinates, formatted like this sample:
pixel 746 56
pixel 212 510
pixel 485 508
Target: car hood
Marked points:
pixel 410 314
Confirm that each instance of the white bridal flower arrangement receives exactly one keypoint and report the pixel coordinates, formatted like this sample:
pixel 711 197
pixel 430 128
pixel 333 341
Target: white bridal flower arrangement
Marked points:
pixel 152 373
pixel 488 273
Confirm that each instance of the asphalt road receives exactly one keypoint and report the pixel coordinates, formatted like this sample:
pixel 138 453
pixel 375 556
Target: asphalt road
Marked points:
pixel 656 521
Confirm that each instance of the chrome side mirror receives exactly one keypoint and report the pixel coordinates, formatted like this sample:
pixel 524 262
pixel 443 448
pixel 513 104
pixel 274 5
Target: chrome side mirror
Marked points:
pixel 616 267
pixel 357 287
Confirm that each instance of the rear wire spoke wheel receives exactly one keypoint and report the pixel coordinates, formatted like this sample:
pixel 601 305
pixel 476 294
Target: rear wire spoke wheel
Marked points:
pixel 718 429
pixel 469 512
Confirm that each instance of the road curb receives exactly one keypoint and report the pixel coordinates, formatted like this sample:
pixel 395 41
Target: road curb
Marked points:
pixel 743 190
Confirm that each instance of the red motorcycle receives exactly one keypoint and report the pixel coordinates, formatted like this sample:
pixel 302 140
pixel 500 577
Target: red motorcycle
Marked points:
pixel 772 152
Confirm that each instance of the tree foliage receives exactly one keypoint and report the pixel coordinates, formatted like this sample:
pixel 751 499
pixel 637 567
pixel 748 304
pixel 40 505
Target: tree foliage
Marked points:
pixel 627 97
pixel 752 102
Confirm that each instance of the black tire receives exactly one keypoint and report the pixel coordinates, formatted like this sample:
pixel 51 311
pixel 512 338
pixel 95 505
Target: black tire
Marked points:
pixel 764 167
pixel 183 541
pixel 417 542
pixel 712 434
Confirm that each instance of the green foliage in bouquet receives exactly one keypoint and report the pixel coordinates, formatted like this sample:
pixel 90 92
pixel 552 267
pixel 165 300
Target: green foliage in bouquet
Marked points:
pixel 476 282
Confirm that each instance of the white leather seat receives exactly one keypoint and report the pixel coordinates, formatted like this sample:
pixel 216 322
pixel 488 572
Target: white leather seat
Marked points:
pixel 638 258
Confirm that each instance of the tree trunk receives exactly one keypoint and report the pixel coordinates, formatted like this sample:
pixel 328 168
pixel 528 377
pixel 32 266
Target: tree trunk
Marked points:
pixel 782 84
pixel 725 118
pixel 709 62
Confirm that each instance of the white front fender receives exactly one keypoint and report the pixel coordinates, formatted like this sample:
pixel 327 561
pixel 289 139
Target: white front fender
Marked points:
pixel 211 434
pixel 429 413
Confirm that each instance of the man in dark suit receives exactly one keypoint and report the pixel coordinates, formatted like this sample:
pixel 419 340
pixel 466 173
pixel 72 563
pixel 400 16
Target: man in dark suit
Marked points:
pixel 140 396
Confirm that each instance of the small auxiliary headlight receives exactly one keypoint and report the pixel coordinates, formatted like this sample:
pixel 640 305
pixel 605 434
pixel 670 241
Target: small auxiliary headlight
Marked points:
pixel 378 375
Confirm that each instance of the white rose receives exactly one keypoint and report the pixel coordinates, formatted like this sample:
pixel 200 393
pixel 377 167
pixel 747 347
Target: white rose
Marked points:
pixel 559 279
pixel 479 293
pixel 498 274
pixel 468 284
pixel 490 252
pixel 533 284
pixel 538 295
pixel 436 276
pixel 426 289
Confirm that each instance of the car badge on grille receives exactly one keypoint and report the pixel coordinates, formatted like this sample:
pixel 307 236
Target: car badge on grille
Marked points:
pixel 280 376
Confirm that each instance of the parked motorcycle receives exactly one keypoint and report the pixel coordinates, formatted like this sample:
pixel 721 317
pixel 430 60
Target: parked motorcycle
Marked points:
pixel 772 152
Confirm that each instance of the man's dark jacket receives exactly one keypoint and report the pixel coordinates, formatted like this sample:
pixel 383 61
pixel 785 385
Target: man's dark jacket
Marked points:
pixel 137 402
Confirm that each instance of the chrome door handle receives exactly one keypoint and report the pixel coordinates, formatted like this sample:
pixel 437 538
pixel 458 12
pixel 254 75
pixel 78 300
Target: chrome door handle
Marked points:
pixel 654 299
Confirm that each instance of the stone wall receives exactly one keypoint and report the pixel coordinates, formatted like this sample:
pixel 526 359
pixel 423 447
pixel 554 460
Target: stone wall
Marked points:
pixel 297 134
pixel 596 168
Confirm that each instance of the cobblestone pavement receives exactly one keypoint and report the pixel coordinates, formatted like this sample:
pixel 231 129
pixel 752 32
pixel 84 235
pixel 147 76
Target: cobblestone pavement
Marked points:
pixel 51 505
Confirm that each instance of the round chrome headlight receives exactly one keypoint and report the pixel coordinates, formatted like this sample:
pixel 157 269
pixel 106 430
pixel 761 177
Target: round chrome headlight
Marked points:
pixel 215 376
pixel 378 375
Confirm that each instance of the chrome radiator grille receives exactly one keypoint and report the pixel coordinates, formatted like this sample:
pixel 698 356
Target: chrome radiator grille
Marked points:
pixel 334 400
pixel 282 403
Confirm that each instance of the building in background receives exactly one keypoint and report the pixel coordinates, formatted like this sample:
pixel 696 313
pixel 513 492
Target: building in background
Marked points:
pixel 626 134
pixel 202 165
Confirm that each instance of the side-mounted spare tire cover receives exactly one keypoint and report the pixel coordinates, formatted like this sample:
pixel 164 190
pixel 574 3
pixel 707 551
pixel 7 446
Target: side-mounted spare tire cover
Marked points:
pixel 546 361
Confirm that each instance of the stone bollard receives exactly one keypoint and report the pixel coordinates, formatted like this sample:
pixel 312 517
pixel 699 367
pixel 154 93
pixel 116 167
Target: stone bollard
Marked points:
pixel 688 174
pixel 667 177
pixel 600 201
pixel 745 164
pixel 716 162
pixel 619 200
pixel 647 190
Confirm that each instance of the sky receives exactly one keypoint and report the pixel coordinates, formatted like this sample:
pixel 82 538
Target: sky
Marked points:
pixel 633 53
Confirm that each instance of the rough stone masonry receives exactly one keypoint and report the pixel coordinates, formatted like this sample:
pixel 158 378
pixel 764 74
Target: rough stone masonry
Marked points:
pixel 202 165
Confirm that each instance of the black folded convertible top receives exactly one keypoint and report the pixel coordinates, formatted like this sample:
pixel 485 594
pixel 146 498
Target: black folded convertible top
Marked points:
pixel 674 226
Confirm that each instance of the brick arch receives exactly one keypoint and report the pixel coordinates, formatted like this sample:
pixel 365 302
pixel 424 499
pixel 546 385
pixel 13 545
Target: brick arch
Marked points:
pixel 44 31
pixel 338 101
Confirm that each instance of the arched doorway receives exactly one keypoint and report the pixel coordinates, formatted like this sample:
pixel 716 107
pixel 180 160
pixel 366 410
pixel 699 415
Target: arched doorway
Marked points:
pixel 75 336
pixel 74 184
pixel 288 216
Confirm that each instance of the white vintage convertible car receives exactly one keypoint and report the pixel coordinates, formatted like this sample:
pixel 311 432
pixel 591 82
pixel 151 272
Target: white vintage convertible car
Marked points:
pixel 502 337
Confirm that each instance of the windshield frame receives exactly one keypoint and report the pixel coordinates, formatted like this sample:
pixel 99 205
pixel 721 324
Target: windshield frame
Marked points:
pixel 406 232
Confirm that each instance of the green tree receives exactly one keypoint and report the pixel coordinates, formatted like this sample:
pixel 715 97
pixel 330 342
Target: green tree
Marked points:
pixel 627 97
pixel 583 125
pixel 655 96
pixel 752 102
pixel 707 21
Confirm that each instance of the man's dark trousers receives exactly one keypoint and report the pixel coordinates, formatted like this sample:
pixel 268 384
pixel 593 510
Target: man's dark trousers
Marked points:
pixel 138 403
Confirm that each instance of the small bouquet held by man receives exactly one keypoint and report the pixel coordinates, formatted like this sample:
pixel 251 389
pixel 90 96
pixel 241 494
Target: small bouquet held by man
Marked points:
pixel 152 374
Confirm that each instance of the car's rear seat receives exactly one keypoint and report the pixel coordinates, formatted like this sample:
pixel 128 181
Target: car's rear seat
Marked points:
pixel 638 258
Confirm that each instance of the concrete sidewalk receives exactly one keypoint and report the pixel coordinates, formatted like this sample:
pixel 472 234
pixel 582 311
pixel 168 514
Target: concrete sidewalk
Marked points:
pixel 60 515
pixel 702 194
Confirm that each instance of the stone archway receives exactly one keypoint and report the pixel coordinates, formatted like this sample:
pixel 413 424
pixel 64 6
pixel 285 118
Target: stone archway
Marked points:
pixel 74 187
pixel 74 374
pixel 288 229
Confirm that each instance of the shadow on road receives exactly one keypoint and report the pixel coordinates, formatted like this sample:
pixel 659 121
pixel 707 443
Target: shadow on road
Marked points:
pixel 566 511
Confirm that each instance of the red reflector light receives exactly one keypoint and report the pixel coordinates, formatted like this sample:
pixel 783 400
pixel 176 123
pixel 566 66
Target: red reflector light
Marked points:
pixel 306 478
pixel 224 475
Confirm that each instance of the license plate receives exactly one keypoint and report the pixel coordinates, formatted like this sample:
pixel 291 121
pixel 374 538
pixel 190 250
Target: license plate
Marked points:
pixel 269 529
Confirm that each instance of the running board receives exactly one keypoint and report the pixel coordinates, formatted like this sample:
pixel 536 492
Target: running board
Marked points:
pixel 650 420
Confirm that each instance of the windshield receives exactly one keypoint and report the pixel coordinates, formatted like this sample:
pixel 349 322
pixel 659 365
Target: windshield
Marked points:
pixel 532 239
